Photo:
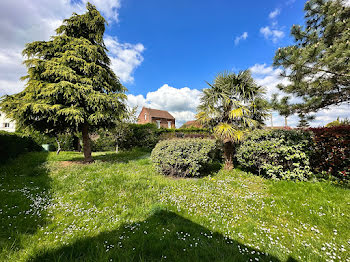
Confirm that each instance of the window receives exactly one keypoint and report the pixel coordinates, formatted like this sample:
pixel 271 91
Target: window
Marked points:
pixel 158 123
pixel 145 116
pixel 169 124
pixel 7 125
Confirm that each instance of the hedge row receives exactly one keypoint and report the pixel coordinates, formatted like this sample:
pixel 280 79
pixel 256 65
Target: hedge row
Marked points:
pixel 145 135
pixel 296 154
pixel 332 151
pixel 277 154
pixel 13 144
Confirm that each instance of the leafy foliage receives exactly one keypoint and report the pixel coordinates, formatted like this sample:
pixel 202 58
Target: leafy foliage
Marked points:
pixel 318 64
pixel 70 85
pixel 230 107
pixel 332 151
pixel 184 157
pixel 339 122
pixel 283 107
pixel 277 154
pixel 13 144
pixel 129 135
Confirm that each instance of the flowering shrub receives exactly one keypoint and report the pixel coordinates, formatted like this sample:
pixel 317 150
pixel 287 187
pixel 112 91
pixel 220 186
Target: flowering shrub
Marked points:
pixel 332 151
pixel 277 154
pixel 184 157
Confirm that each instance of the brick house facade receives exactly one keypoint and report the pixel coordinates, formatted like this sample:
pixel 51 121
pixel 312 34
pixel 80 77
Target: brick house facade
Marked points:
pixel 161 118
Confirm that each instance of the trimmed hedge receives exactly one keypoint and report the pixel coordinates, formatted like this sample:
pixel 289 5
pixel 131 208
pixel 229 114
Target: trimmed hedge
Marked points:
pixel 332 151
pixel 143 135
pixel 13 144
pixel 277 154
pixel 184 157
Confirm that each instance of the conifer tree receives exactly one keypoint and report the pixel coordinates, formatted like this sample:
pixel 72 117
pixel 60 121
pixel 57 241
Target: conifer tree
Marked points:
pixel 283 107
pixel 304 120
pixel 318 64
pixel 70 85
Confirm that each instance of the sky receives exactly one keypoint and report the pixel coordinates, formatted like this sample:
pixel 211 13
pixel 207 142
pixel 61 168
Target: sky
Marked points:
pixel 165 51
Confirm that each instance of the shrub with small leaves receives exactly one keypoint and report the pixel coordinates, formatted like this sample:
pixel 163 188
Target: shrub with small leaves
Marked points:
pixel 14 144
pixel 184 157
pixel 332 151
pixel 277 154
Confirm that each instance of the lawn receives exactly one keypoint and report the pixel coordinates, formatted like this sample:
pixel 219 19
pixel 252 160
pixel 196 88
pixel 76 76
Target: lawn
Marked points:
pixel 54 208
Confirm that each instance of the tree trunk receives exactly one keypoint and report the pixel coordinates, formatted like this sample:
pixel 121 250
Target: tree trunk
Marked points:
pixel 116 148
pixel 285 121
pixel 228 154
pixel 58 146
pixel 271 121
pixel 86 144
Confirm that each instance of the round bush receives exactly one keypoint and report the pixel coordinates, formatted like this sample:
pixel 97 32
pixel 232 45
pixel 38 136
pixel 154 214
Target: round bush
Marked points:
pixel 184 157
pixel 277 154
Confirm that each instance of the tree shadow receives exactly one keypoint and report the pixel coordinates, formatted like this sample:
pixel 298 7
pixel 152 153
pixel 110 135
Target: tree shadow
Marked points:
pixel 24 193
pixel 113 157
pixel 163 236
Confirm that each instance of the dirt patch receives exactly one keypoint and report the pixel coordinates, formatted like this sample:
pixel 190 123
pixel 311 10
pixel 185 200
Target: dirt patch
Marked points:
pixel 71 163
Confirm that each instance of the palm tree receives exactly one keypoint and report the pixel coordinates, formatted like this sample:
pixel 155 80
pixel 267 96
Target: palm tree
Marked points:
pixel 231 106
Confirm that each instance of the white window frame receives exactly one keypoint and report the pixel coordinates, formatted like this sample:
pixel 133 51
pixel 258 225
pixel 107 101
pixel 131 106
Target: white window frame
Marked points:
pixel 169 124
pixel 145 116
pixel 158 123
pixel 7 125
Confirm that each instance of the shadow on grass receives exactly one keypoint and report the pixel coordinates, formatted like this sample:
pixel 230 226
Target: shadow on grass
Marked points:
pixel 212 169
pixel 112 157
pixel 163 236
pixel 24 192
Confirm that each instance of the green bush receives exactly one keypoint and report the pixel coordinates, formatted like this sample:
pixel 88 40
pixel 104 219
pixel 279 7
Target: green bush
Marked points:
pixel 129 136
pixel 13 144
pixel 184 157
pixel 277 154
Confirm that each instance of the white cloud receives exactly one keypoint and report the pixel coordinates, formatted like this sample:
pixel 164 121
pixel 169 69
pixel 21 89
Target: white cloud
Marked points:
pixel 241 37
pixel 275 13
pixel 124 57
pixel 180 102
pixel 272 34
pixel 23 21
pixel 269 77
pixel 346 3
pixel 109 8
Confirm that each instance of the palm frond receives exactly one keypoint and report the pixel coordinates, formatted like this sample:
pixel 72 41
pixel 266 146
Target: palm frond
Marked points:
pixel 227 132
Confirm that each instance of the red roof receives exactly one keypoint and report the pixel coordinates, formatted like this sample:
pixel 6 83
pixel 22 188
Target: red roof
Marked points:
pixel 159 113
pixel 192 123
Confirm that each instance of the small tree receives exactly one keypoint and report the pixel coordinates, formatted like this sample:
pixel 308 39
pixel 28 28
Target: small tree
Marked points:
pixel 304 120
pixel 70 85
pixel 283 107
pixel 231 106
pixel 317 65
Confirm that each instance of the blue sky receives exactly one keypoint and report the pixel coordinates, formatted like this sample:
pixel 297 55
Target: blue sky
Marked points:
pixel 164 51
pixel 188 42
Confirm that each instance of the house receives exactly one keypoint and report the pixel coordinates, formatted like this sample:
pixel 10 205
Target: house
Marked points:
pixel 7 124
pixel 192 123
pixel 160 117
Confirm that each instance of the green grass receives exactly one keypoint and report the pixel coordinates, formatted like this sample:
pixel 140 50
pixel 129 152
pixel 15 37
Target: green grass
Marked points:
pixel 54 208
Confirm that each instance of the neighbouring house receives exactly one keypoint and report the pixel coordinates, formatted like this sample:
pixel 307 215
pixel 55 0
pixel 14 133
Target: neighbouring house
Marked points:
pixel 161 118
pixel 7 124
pixel 192 123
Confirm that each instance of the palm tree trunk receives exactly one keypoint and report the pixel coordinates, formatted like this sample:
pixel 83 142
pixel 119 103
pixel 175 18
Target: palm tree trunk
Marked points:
pixel 228 155
pixel 86 144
